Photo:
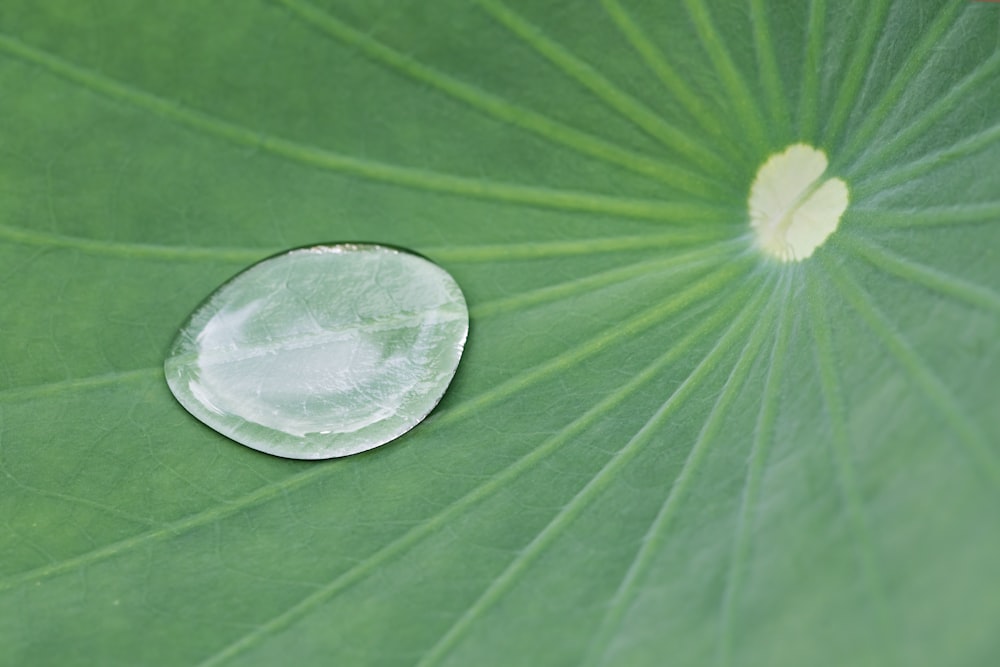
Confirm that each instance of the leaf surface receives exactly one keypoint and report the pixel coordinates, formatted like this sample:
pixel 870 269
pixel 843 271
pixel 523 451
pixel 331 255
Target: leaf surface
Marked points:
pixel 660 445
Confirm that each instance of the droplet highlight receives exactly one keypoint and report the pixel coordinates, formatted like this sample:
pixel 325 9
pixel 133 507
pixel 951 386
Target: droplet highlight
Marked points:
pixel 323 351
pixel 793 209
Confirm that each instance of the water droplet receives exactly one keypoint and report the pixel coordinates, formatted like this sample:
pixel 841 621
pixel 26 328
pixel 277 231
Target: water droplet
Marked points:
pixel 323 351
pixel 793 210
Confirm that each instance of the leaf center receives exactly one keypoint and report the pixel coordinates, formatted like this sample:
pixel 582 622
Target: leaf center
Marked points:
pixel 793 209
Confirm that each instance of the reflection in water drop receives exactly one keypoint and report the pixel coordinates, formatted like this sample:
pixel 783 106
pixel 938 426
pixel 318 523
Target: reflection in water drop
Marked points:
pixel 323 351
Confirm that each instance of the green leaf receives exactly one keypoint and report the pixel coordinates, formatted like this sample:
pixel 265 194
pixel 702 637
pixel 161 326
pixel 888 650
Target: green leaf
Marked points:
pixel 661 447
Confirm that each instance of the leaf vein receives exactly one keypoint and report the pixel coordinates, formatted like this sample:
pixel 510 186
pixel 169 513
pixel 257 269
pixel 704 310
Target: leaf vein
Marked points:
pixel 908 269
pixel 82 383
pixel 928 162
pixel 684 299
pixel 586 494
pixel 939 216
pixel 859 69
pixel 694 103
pixel 767 64
pixel 629 587
pixel 743 101
pixel 913 66
pixel 836 417
pixel 410 177
pixel 938 395
pixel 626 105
pixel 809 105
pixel 497 482
pixel 755 469
pixel 926 119
pixel 490 104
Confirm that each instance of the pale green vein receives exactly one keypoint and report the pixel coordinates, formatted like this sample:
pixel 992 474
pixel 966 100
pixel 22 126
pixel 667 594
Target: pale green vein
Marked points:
pixel 496 482
pixel 21 267
pixel 938 216
pixel 811 67
pixel 630 108
pixel 675 266
pixel 763 438
pixel 929 162
pixel 693 102
pixel 451 253
pixel 930 116
pixel 914 65
pixel 840 446
pixel 78 384
pixel 15 536
pixel 937 394
pixel 71 500
pixel 846 96
pixel 652 541
pixel 748 114
pixel 411 177
pixel 770 76
pixel 487 103
pixel 172 529
pixel 569 512
pixel 692 261
pixel 700 290
pixel 128 250
pixel 933 279
pixel 502 252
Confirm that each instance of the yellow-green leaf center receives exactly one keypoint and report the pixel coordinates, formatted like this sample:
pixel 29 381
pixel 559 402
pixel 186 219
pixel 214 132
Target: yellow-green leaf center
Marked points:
pixel 793 209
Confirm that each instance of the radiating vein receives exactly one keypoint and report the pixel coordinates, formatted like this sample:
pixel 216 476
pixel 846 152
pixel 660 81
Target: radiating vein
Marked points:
pixel 410 177
pixel 913 66
pixel 529 250
pixel 928 162
pixel 809 100
pixel 743 102
pixel 929 116
pixel 858 69
pixel 651 543
pixel 760 450
pixel 453 252
pixel 492 105
pixel 938 216
pixel 767 65
pixel 931 278
pixel 692 294
pixel 596 485
pixel 74 500
pixel 937 394
pixel 694 261
pixel 630 108
pixel 840 445
pixel 692 101
pixel 78 384
pixel 495 483
pixel 128 250
pixel 700 289
pixel 676 265
pixel 172 529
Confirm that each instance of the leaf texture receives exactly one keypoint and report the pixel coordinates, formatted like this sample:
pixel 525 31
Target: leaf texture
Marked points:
pixel 661 447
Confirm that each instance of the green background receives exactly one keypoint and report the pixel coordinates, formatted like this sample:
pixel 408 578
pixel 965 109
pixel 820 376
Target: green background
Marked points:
pixel 660 448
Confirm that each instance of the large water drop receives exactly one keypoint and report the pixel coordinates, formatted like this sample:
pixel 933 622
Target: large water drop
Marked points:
pixel 323 351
